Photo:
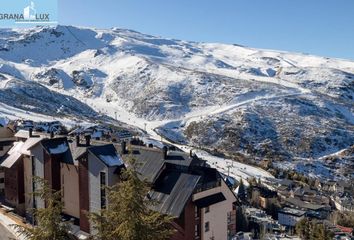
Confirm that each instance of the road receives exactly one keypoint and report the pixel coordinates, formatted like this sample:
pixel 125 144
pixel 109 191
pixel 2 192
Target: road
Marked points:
pixel 5 234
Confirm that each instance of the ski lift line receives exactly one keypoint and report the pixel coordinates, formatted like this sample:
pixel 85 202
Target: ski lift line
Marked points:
pixel 74 35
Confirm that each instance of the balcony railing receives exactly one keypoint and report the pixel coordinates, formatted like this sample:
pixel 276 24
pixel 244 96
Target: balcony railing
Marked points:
pixel 206 186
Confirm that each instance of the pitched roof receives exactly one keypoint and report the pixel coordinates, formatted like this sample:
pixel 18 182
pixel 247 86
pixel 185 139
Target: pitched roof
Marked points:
pixel 25 134
pixel 179 158
pixel 16 147
pixel 11 160
pixel 173 191
pixel 304 205
pixel 292 211
pixel 55 146
pixel 149 162
pixel 107 154
pixel 13 155
pixel 77 151
pixel 345 229
pixel 29 143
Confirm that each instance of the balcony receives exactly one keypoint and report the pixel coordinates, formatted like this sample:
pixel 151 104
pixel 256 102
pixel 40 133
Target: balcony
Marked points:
pixel 201 187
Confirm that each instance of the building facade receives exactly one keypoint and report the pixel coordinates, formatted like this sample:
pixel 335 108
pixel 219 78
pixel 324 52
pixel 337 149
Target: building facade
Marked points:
pixel 184 187
pixel 289 217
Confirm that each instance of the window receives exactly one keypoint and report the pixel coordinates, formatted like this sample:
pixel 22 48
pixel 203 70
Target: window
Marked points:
pixel 33 161
pixel 207 209
pixel 2 180
pixel 33 165
pixel 206 227
pixel 196 212
pixel 196 230
pixel 1 148
pixel 63 187
pixel 103 189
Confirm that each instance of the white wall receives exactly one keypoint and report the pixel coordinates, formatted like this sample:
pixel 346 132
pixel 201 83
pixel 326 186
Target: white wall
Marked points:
pixel 95 166
pixel 217 215
pixel 27 166
pixel 112 177
pixel 37 152
pixel 287 219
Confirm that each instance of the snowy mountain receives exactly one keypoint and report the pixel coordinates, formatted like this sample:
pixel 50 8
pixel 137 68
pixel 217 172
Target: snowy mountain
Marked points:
pixel 230 97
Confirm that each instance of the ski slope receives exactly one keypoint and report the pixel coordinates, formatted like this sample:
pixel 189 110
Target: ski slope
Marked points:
pixel 190 92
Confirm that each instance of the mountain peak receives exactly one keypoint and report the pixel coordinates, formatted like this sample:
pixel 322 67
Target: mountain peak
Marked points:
pixel 219 95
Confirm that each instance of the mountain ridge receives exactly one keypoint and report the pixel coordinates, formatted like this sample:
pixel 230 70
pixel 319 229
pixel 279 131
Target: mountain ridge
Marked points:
pixel 223 96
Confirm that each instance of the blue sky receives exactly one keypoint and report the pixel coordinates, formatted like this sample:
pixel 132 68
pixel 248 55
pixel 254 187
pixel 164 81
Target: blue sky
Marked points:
pixel 321 27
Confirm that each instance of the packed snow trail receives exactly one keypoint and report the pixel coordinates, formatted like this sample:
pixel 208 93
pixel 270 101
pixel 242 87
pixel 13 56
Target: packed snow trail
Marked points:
pixel 223 109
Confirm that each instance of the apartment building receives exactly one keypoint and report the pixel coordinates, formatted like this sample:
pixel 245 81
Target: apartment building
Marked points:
pixel 14 169
pixel 99 166
pixel 6 141
pixel 186 188
pixel 182 184
pixel 288 217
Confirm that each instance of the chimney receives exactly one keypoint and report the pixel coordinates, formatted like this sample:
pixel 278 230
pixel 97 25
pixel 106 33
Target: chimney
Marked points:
pixel 191 153
pixel 124 147
pixel 88 139
pixel 77 140
pixel 51 134
pixel 30 132
pixel 164 151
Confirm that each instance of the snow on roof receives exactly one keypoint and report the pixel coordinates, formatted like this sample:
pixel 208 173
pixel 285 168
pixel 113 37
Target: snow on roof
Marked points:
pixel 22 134
pixel 96 134
pixel 29 143
pixel 107 154
pixel 14 154
pixel 16 147
pixel 25 134
pixel 11 160
pixel 292 211
pixel 22 147
pixel 237 189
pixel 154 142
pixel 111 160
pixel 61 148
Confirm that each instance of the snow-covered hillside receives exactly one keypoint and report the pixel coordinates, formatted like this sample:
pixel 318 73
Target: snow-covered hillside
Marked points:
pixel 230 97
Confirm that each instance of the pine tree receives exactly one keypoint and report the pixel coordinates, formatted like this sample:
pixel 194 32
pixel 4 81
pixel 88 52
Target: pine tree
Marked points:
pixel 128 215
pixel 241 191
pixel 312 230
pixel 241 220
pixel 320 232
pixel 50 225
pixel 300 227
